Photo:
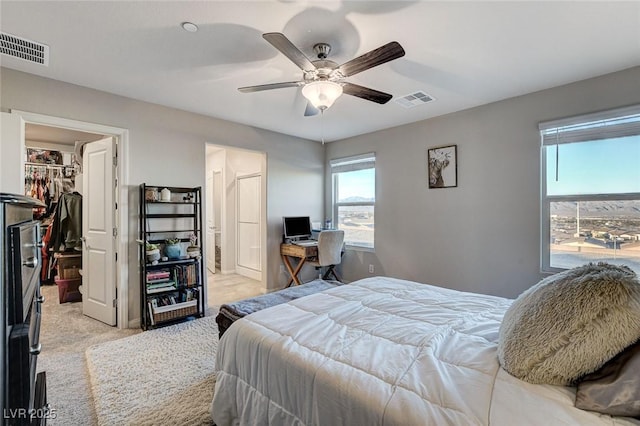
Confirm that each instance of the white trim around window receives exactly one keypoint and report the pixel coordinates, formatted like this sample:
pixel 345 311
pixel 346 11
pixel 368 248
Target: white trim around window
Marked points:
pixel 360 208
pixel 590 205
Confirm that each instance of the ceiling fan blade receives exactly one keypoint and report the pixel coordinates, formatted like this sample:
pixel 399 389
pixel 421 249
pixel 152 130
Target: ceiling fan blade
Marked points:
pixel 379 56
pixel 310 110
pixel 288 49
pixel 261 87
pixel 366 93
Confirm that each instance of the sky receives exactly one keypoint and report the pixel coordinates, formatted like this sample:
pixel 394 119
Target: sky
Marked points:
pixel 595 167
pixel 360 183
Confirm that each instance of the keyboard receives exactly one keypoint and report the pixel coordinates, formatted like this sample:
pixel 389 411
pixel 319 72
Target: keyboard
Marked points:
pixel 306 243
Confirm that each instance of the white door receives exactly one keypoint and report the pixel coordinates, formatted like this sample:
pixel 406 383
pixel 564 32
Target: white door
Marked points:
pixel 248 226
pixel 98 225
pixel 211 229
pixel 12 154
pixel 218 201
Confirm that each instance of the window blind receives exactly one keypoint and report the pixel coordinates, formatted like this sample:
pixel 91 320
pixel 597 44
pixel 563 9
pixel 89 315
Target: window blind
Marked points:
pixel 609 124
pixel 353 163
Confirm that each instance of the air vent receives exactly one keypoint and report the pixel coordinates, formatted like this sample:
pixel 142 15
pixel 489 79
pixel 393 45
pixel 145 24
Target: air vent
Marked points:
pixel 21 48
pixel 414 99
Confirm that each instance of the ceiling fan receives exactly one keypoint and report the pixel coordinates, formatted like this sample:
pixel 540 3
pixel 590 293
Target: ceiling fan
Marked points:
pixel 323 80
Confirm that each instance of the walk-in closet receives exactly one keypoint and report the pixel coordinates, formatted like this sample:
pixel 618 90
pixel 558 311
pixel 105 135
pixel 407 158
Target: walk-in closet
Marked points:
pixel 53 176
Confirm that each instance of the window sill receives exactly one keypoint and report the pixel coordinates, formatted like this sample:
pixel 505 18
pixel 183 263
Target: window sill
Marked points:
pixel 360 248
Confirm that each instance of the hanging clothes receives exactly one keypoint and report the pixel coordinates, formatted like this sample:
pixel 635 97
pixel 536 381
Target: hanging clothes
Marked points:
pixel 47 182
pixel 67 224
pixel 46 260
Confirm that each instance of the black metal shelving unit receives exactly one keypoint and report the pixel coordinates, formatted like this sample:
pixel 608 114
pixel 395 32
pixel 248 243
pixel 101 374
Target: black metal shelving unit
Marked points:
pixel 171 291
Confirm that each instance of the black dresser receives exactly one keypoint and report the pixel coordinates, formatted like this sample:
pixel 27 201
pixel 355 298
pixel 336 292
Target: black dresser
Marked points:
pixel 22 392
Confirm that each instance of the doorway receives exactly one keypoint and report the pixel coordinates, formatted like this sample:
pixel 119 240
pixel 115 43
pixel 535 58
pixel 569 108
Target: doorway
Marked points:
pixel 236 221
pixel 214 215
pixel 118 206
pixel 248 224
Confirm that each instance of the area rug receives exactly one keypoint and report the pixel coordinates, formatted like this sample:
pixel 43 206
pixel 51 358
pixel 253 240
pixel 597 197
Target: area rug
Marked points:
pixel 162 376
pixel 65 335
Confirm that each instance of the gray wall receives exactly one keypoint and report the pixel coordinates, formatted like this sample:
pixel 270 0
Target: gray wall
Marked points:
pixel 167 147
pixel 484 235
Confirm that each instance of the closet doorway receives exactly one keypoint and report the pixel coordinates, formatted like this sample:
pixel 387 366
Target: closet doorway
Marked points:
pixel 107 149
pixel 236 212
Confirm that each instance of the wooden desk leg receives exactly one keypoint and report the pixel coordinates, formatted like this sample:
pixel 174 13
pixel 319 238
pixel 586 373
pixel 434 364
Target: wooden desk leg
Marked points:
pixel 292 273
pixel 298 269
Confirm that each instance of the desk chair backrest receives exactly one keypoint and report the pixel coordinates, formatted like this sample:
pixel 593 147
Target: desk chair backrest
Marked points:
pixel 330 247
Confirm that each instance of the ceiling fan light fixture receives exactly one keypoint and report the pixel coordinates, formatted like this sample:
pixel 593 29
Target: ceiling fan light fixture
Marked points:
pixel 322 94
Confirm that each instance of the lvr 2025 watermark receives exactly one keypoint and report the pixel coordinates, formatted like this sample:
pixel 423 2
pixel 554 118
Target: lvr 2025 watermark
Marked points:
pixel 45 412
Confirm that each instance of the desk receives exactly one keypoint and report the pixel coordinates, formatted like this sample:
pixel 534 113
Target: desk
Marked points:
pixel 302 253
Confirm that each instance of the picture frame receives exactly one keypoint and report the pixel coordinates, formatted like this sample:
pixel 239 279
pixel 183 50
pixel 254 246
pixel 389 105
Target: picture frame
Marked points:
pixel 44 156
pixel 442 164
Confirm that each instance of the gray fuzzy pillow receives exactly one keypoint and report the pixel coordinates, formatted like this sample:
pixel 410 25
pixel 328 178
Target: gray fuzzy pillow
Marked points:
pixel 570 324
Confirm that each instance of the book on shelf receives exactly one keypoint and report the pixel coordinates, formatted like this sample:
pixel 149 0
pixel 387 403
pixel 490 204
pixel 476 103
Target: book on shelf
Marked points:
pixel 173 298
pixel 164 300
pixel 161 284
pixel 186 275
pixel 158 275
pixel 159 281
pixel 183 275
pixel 163 271
pixel 190 294
pixel 160 289
pixel 151 320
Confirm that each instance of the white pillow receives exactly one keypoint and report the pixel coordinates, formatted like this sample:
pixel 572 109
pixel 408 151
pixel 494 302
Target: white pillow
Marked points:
pixel 570 324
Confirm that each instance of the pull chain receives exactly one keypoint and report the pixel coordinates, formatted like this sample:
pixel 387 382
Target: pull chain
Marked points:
pixel 322 125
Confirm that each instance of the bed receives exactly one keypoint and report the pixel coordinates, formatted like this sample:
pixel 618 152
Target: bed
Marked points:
pixel 381 351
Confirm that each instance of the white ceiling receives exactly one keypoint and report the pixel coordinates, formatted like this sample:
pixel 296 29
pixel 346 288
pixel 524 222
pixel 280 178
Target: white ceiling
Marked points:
pixel 35 133
pixel 463 54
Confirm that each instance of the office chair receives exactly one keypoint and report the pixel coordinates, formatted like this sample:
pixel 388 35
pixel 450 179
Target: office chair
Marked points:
pixel 329 252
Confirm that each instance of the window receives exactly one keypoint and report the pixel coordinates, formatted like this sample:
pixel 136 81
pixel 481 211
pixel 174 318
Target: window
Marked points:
pixel 354 198
pixel 591 190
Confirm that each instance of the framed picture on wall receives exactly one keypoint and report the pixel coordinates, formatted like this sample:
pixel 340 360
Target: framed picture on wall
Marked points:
pixel 442 163
pixel 43 156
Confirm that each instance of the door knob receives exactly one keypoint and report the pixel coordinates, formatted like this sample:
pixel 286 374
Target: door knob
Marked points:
pixel 84 241
pixel 31 262
pixel 35 349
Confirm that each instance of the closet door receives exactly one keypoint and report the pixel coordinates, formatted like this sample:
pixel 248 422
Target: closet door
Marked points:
pixel 248 245
pixel 98 230
pixel 11 153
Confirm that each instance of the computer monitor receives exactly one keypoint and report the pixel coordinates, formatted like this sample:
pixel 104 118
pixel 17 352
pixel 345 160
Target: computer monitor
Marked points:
pixel 296 228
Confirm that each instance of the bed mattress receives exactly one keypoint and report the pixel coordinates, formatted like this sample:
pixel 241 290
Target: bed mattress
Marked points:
pixel 229 313
pixel 381 351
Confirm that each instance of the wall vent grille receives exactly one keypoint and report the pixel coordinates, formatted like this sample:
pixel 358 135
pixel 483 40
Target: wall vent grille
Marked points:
pixel 414 99
pixel 22 48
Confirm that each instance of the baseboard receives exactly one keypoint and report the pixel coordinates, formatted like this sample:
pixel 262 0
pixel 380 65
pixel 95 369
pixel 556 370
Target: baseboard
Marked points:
pixel 249 273
pixel 134 323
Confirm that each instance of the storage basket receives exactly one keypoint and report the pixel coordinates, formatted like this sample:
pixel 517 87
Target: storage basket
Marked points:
pixel 151 194
pixel 69 273
pixel 179 310
pixel 69 265
pixel 68 290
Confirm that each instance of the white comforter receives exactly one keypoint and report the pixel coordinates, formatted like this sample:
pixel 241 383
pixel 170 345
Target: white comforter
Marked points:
pixel 380 351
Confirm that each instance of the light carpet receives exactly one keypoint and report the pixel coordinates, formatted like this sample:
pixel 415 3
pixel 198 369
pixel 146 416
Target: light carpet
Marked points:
pixel 65 335
pixel 159 377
